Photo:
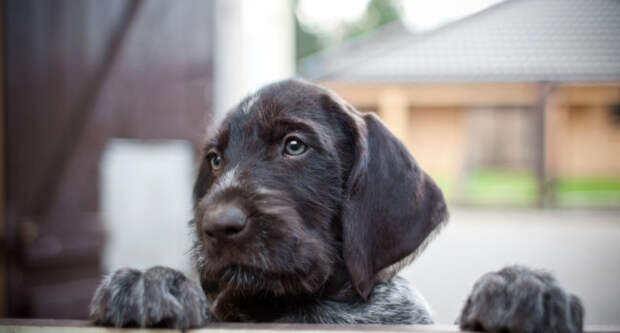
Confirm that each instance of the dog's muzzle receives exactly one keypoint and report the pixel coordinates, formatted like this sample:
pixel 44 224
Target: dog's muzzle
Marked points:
pixel 224 222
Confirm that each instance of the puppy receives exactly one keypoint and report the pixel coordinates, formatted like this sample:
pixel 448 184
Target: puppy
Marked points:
pixel 305 211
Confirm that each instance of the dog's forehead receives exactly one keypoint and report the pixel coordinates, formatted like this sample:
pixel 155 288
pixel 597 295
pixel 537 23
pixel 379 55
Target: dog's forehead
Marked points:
pixel 260 112
pixel 288 98
pixel 278 101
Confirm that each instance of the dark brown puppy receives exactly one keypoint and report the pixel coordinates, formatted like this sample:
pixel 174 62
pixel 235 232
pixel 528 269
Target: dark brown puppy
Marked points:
pixel 299 195
pixel 305 209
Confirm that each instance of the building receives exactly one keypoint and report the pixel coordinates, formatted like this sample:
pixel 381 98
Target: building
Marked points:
pixel 527 87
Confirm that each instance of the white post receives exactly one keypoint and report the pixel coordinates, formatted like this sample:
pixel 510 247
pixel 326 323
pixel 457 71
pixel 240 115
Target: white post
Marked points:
pixel 254 45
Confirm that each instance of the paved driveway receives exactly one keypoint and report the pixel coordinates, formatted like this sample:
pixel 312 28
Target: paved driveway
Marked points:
pixel 582 249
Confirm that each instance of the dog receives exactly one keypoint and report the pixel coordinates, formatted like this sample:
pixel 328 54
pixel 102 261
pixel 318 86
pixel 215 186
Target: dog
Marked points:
pixel 305 211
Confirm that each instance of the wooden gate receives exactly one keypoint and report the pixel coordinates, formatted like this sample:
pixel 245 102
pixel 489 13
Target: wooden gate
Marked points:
pixel 77 73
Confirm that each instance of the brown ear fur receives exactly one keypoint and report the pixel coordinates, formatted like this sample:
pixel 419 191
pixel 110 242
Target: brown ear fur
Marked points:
pixel 392 204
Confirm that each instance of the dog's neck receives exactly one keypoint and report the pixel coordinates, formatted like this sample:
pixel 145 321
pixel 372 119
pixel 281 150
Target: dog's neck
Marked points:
pixel 233 307
pixel 229 304
pixel 339 285
pixel 389 302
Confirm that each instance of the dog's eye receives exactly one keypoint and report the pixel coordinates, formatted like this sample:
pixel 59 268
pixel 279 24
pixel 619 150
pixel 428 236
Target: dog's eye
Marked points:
pixel 294 146
pixel 215 160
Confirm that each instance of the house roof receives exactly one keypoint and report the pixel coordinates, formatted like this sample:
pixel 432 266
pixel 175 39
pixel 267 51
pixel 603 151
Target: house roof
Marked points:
pixel 516 40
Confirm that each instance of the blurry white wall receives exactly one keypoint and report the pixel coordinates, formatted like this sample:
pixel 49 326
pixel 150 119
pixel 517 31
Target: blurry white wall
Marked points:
pixel 254 45
pixel 146 203
pixel 578 246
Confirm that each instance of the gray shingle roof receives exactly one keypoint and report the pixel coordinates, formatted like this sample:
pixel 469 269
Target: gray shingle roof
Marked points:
pixel 517 40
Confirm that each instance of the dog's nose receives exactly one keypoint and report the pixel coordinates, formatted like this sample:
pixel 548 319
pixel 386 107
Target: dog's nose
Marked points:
pixel 224 222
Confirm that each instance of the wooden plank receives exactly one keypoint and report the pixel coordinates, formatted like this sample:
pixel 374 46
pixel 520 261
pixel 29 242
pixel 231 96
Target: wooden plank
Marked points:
pixel 540 110
pixel 591 94
pixel 77 124
pixel 479 94
pixel 3 270
pixel 157 88
pixel 441 95
pixel 53 326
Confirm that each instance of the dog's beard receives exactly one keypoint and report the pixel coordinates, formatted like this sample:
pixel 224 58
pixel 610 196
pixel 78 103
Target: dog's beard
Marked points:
pixel 231 288
pixel 281 259
pixel 246 281
pixel 240 292
pixel 303 270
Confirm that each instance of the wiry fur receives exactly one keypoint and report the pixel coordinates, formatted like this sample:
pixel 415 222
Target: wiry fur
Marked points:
pixel 313 238
pixel 389 302
pixel 519 299
pixel 158 297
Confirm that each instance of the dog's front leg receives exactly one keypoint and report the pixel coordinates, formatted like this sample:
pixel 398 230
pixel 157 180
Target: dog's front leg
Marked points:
pixel 157 297
pixel 518 299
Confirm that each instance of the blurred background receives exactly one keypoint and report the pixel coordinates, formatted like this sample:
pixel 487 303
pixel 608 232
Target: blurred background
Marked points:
pixel 512 106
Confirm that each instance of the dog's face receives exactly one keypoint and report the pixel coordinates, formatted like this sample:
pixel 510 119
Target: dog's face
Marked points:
pixel 296 183
pixel 268 194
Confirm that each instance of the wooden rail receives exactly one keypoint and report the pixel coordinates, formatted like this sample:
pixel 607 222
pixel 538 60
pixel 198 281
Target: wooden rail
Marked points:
pixel 75 326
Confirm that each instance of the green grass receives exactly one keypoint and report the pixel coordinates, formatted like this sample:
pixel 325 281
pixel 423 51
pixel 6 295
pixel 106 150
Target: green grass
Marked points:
pixel 587 192
pixel 518 188
pixel 488 187
pixel 588 185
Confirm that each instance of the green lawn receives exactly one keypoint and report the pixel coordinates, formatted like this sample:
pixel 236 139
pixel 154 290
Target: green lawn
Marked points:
pixel 497 187
pixel 588 192
pixel 490 187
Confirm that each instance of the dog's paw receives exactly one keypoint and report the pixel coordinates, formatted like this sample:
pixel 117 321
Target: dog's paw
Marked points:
pixel 518 299
pixel 158 297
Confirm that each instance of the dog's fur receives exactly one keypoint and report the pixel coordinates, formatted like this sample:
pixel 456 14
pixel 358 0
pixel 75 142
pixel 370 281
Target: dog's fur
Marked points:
pixel 324 232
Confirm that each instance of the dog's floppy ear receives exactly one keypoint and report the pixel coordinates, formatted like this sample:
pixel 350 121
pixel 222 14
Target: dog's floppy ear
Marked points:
pixel 391 204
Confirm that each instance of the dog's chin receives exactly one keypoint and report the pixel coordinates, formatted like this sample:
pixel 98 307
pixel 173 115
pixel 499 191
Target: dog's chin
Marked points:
pixel 252 281
pixel 241 293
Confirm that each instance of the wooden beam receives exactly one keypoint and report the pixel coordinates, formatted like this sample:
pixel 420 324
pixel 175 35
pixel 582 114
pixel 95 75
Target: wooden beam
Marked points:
pixel 3 235
pixel 544 89
pixel 591 94
pixel 477 94
pixel 441 95
pixel 76 326
pixel 85 108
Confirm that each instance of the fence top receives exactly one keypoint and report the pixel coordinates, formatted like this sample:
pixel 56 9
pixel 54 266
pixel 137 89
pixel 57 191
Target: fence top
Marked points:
pixel 75 326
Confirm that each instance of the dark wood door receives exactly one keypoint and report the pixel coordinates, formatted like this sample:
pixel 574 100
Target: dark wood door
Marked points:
pixel 76 74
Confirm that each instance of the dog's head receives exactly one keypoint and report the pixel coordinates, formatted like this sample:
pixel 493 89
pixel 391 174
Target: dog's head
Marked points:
pixel 297 183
